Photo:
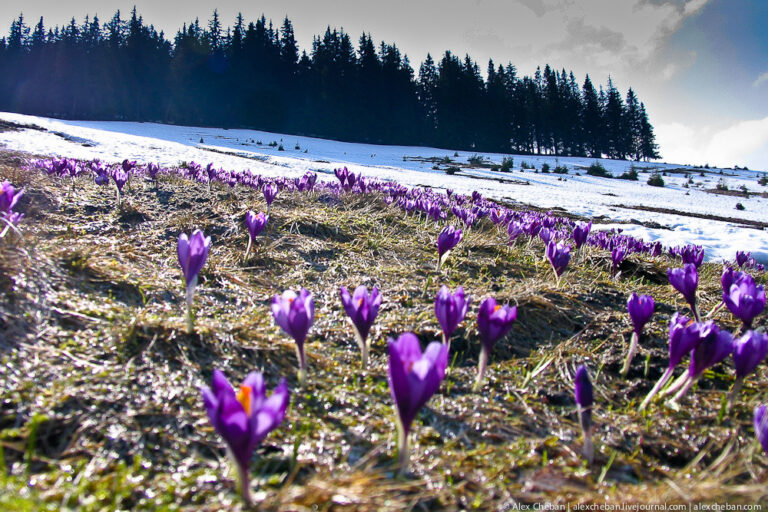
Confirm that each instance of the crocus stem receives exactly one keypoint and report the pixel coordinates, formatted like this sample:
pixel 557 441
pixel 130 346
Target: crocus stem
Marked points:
pixel 695 310
pixel 447 342
pixel 364 352
pixel 690 382
pixel 716 309
pixel 734 392
pixel 585 420
pixel 402 447
pixel 118 195
pixel 630 354
pixel 302 366
pixel 248 249
pixel 245 485
pixel 481 366
pixel 682 379
pixel 190 295
pixel 663 380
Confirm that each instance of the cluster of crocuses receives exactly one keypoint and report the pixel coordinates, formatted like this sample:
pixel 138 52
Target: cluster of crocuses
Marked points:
pixel 244 418
pixel 9 197
pixel 705 341
pixel 430 203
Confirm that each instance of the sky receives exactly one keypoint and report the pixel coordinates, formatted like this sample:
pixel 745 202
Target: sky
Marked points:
pixel 700 66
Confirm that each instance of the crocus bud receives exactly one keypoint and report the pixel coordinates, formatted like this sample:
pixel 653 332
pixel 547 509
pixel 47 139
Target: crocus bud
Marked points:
pixel 748 352
pixel 581 233
pixel 362 309
pixel 685 280
pixel 558 255
pixel 744 298
pixel 270 193
pixel 450 310
pixel 640 308
pixel 413 378
pixel 494 321
pixel 192 252
pixel 448 238
pixel 295 315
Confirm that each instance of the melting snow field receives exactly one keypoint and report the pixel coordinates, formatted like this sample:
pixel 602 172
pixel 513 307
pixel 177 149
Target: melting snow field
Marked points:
pixel 614 202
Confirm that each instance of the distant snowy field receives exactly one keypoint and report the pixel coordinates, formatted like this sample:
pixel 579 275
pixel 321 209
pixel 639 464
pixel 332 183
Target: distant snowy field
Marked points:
pixel 612 200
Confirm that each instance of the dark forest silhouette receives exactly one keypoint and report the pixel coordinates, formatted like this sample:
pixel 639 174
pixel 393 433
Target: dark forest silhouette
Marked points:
pixel 255 76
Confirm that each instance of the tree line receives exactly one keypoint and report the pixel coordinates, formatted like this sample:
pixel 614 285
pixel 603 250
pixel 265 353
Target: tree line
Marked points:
pixel 254 75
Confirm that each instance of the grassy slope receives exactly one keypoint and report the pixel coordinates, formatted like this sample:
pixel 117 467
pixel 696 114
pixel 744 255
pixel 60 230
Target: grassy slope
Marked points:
pixel 99 400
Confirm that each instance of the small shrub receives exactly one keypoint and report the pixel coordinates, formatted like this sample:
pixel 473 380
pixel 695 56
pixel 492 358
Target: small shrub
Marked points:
pixel 560 169
pixel 763 180
pixel 721 184
pixel 455 153
pixel 495 168
pixel 526 165
pixel 446 160
pixel 740 206
pixel 630 175
pixel 297 147
pixel 452 170
pixel 656 180
pixel 545 167
pixel 506 164
pixel 597 169
pixel 202 141
pixel 475 160
pixel 280 148
pixel 744 190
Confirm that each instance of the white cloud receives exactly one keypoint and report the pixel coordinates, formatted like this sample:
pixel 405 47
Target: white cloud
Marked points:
pixel 693 6
pixel 763 78
pixel 741 143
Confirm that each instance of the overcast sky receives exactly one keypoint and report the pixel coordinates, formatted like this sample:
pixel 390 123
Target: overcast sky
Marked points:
pixel 700 66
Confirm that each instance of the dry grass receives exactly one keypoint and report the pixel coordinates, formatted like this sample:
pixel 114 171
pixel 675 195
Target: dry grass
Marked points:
pixel 99 400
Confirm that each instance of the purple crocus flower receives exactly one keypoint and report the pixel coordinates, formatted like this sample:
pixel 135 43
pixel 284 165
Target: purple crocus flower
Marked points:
pixel 244 418
pixel 270 193
pixel 580 233
pixel 448 238
pixel 192 252
pixel 686 280
pixel 494 321
pixel 413 378
pixel 9 196
pixel 761 426
pixel 742 258
pixel 748 352
pixel 683 336
pixel 640 309
pixel 362 309
pixel 584 401
pixel 120 177
pixel 712 347
pixel 744 298
pixel 514 230
pixel 450 311
pixel 693 254
pixel 617 256
pixel 558 255
pixel 255 224
pixel 295 315
pixel 546 235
